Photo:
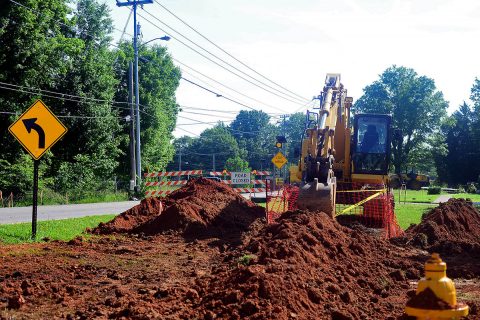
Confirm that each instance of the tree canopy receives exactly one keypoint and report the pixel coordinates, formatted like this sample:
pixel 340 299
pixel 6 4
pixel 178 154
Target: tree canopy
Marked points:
pixel 459 165
pixel 61 53
pixel 415 104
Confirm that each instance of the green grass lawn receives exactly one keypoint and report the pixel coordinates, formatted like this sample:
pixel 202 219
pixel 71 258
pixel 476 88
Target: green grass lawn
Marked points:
pixel 471 196
pixel 420 196
pixel 411 213
pixel 54 229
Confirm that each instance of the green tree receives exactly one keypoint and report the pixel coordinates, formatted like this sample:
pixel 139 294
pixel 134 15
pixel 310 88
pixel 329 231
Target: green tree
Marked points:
pixel 95 129
pixel 461 161
pixel 416 106
pixel 256 135
pixel 236 164
pixel 181 145
pixel 215 145
pixel 158 79
pixel 35 52
pixel 295 126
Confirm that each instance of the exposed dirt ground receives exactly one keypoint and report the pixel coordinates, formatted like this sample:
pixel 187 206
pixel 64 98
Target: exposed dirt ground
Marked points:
pixel 205 253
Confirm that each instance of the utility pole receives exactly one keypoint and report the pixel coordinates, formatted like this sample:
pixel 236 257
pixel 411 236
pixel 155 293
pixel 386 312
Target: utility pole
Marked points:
pixel 179 160
pixel 136 29
pixel 284 145
pixel 133 175
pixel 213 162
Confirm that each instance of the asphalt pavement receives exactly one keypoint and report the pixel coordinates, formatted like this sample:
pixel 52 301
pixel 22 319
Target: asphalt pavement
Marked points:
pixel 24 214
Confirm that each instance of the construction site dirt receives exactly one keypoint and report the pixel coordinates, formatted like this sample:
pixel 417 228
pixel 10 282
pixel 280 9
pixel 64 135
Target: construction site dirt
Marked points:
pixel 204 252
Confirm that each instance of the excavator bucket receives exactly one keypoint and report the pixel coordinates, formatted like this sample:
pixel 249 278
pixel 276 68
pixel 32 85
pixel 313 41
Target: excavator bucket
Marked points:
pixel 315 196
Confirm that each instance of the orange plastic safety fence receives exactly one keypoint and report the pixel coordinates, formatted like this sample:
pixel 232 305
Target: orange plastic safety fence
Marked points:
pixel 280 200
pixel 370 204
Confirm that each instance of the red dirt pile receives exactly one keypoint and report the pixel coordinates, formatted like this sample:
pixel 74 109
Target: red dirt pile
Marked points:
pixel 428 300
pixel 130 219
pixel 452 228
pixel 201 208
pixel 307 266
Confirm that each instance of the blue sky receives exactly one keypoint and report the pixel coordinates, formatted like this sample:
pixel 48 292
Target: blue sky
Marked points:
pixel 295 43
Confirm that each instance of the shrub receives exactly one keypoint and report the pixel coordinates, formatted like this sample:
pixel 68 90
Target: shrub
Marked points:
pixel 246 259
pixel 471 188
pixel 434 190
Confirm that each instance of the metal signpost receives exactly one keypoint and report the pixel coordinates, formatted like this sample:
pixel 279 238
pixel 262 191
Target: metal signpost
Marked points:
pixel 37 129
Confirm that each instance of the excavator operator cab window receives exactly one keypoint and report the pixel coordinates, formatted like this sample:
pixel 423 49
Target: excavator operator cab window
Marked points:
pixel 371 152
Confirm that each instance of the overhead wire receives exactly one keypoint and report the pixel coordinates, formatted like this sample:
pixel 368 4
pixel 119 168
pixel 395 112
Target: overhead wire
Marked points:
pixel 64 116
pixel 224 111
pixel 216 63
pixel 206 114
pixel 126 25
pixel 222 84
pixel 220 59
pixel 199 121
pixel 224 51
pixel 217 94
pixel 207 84
pixel 62 96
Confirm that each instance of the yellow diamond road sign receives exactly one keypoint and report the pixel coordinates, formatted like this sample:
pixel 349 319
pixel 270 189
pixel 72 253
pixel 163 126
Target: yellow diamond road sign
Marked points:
pixel 37 129
pixel 279 160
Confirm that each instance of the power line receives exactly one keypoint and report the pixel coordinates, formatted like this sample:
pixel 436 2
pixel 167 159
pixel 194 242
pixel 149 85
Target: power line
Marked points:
pixel 218 94
pixel 216 63
pixel 69 97
pixel 188 131
pixel 224 111
pixel 223 85
pixel 301 100
pixel 201 122
pixel 64 116
pixel 303 107
pixel 206 114
pixel 211 110
pixel 198 123
pixel 210 85
pixel 224 51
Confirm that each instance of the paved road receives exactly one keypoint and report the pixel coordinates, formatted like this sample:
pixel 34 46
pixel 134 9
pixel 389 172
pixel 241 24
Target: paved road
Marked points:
pixel 442 198
pixel 24 214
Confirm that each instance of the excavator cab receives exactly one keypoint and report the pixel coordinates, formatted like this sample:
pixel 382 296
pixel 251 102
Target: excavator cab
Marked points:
pixel 370 151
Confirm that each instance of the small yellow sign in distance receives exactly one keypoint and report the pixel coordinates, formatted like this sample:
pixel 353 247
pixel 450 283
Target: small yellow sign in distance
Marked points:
pixel 37 129
pixel 279 160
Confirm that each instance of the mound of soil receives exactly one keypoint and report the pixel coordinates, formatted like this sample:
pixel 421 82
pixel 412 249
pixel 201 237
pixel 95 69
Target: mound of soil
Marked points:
pixel 306 265
pixel 132 218
pixel 452 228
pixel 428 300
pixel 201 208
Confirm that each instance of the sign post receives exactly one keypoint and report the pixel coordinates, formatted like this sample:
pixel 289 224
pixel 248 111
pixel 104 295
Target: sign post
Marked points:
pixel 35 197
pixel 37 129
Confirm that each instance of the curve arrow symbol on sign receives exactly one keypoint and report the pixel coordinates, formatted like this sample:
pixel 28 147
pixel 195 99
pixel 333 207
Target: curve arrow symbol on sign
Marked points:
pixel 29 125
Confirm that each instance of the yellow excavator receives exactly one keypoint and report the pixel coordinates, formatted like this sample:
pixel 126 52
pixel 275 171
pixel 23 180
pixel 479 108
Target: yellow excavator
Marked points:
pixel 337 158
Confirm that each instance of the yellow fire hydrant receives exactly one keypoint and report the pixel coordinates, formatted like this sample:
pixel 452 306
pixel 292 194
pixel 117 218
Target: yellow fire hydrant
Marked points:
pixel 435 298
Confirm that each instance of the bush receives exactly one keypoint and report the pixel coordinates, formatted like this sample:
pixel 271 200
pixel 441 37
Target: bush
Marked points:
pixel 17 177
pixel 434 190
pixel 471 188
